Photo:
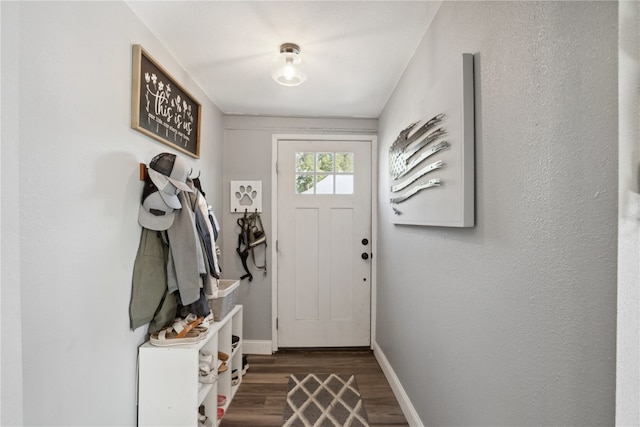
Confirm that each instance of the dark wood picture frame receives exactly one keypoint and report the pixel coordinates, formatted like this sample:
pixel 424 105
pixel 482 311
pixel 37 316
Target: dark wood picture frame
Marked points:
pixel 161 108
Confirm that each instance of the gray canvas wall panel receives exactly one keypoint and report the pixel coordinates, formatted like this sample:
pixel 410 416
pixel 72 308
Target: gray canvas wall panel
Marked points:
pixel 449 106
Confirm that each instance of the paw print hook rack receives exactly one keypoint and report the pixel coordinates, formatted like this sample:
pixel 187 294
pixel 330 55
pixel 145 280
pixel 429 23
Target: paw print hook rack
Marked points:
pixel 245 196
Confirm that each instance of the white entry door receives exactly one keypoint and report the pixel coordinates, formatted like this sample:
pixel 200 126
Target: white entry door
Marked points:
pixel 324 243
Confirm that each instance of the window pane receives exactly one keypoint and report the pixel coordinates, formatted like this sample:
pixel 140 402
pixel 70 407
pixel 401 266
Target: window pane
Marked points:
pixel 324 184
pixel 344 162
pixel 304 184
pixel 324 162
pixel 304 162
pixel 344 184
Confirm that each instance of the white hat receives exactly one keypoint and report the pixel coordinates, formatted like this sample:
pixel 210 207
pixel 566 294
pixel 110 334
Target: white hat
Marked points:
pixel 169 173
pixel 153 212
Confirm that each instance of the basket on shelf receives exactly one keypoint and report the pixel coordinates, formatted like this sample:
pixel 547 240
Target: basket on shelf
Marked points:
pixel 225 300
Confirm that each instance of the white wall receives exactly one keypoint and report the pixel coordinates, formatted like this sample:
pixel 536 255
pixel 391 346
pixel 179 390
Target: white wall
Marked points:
pixel 628 332
pixel 76 164
pixel 513 322
pixel 247 157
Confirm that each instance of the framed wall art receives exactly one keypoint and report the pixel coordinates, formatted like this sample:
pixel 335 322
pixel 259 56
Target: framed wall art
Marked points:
pixel 161 108
pixel 431 162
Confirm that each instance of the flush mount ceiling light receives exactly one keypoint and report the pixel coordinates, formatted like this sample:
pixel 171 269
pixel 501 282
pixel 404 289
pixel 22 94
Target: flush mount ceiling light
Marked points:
pixel 286 68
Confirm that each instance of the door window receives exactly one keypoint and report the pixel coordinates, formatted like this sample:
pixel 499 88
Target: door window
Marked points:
pixel 324 172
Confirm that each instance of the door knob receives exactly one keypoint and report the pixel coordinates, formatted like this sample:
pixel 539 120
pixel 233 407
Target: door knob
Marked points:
pixel 365 242
pixel 365 255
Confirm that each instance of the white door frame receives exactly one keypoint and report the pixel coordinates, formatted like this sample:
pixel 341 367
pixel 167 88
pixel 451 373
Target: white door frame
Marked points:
pixel 373 140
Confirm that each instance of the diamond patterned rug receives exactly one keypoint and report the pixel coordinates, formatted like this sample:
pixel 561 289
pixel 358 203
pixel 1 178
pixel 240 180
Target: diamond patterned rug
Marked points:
pixel 324 400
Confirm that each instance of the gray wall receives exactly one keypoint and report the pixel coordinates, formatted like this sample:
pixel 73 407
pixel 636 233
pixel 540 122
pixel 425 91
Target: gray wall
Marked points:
pixel 513 322
pixel 70 197
pixel 11 410
pixel 248 157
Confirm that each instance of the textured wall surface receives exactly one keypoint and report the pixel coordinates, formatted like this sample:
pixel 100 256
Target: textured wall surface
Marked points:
pixel 513 322
pixel 11 334
pixel 78 195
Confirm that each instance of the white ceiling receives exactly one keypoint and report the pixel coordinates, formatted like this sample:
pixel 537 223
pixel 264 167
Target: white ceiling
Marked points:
pixel 354 51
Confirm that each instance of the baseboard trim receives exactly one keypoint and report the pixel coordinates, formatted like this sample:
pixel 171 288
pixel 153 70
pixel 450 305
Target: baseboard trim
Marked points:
pixel 256 347
pixel 405 404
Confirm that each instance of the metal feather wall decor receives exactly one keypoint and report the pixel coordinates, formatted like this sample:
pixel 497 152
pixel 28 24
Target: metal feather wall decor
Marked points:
pixel 431 161
pixel 403 159
pixel 406 138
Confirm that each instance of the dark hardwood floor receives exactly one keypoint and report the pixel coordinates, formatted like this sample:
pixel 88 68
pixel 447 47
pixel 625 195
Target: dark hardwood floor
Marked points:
pixel 260 400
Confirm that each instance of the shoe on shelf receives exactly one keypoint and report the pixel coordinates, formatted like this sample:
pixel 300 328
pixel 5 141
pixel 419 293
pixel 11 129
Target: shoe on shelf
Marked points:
pixel 204 368
pixel 222 400
pixel 179 334
pixel 235 379
pixel 223 356
pixel 207 376
pixel 220 413
pixel 202 325
pixel 206 357
pixel 234 341
pixel 204 421
pixel 222 366
pixel 245 364
pixel 209 318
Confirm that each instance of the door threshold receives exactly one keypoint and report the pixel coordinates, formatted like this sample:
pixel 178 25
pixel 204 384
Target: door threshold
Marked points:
pixel 324 349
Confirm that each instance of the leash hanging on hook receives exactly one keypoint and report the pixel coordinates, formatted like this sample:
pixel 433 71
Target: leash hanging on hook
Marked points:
pixel 251 236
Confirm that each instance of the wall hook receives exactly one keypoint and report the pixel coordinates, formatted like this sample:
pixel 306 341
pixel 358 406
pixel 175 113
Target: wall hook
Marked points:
pixel 245 196
pixel 143 172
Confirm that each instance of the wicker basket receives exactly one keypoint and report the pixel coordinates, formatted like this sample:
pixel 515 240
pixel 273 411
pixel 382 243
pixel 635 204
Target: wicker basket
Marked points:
pixel 225 300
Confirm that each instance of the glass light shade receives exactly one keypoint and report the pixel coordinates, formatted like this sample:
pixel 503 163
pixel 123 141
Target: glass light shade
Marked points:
pixel 287 68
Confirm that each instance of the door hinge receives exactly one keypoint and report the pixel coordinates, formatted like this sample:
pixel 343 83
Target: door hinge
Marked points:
pixel 276 167
pixel 276 246
pixel 277 323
